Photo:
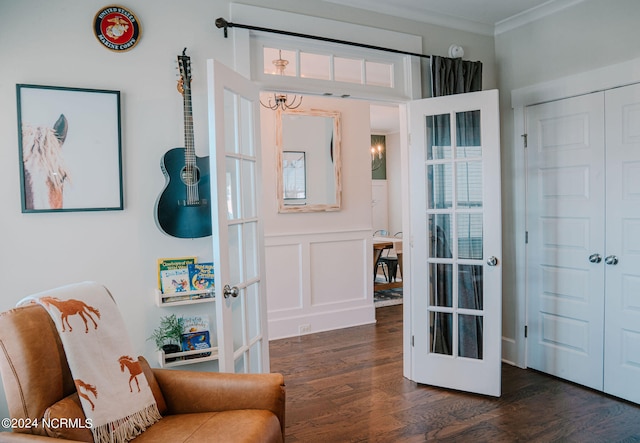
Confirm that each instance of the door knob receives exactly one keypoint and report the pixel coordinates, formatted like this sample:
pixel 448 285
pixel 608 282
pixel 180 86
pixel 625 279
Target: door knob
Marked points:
pixel 231 292
pixel 492 261
pixel 595 258
pixel 611 260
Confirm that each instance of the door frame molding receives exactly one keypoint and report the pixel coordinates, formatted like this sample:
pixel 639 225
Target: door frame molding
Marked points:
pixel 320 26
pixel 601 79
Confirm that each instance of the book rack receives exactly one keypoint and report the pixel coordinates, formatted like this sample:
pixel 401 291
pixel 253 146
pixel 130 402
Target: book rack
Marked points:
pixel 162 357
pixel 184 298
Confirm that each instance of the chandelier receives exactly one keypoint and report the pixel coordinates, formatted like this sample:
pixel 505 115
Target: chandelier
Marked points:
pixel 376 157
pixel 282 100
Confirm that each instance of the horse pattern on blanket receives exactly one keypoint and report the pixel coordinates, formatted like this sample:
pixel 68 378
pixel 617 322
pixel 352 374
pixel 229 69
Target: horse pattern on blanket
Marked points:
pixel 72 307
pixel 98 357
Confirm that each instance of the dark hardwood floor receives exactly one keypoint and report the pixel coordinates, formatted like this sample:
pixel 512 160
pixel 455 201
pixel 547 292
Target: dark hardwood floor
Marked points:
pixel 347 386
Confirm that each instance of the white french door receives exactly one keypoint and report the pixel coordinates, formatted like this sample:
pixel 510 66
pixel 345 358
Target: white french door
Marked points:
pixel 456 242
pixel 238 245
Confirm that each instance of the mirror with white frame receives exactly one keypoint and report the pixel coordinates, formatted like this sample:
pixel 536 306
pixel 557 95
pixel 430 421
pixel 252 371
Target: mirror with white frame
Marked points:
pixel 314 136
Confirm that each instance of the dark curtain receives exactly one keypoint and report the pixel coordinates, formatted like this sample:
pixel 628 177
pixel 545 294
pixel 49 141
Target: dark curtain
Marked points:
pixel 456 76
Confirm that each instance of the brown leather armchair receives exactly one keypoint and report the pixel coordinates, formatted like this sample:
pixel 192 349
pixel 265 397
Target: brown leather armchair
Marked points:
pixel 195 406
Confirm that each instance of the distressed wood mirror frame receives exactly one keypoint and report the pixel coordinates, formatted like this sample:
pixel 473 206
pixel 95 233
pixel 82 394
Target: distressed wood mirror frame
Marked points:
pixel 317 133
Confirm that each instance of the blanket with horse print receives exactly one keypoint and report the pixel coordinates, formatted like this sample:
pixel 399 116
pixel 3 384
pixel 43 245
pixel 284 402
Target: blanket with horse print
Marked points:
pixel 114 393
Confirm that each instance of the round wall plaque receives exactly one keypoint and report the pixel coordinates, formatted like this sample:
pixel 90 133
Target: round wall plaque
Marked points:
pixel 116 28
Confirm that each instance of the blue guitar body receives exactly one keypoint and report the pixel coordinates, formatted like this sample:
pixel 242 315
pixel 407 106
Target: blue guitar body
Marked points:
pixel 178 213
pixel 183 208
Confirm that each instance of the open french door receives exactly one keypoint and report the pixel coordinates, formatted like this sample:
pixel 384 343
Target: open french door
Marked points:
pixel 456 242
pixel 238 244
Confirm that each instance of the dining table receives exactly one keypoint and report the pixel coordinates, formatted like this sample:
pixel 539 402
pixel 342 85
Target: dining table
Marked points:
pixel 381 244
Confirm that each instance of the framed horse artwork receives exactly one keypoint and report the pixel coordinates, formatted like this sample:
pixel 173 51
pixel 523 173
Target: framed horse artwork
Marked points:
pixel 70 149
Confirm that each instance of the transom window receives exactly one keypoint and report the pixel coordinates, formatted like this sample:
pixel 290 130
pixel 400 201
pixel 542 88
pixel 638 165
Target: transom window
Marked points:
pixel 307 66
pixel 329 67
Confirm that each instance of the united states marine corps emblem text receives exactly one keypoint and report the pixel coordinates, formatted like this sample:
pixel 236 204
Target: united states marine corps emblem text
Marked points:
pixel 116 28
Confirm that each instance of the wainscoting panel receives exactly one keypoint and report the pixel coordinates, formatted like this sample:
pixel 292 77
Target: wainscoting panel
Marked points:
pixel 318 282
pixel 335 278
pixel 288 284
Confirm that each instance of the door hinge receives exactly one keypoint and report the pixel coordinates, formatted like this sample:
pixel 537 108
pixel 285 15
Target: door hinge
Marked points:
pixel 413 340
pixel 526 331
pixel 526 237
pixel 524 137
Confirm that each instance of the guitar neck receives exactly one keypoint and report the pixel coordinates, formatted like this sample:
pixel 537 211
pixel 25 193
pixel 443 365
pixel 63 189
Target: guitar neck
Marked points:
pixel 190 153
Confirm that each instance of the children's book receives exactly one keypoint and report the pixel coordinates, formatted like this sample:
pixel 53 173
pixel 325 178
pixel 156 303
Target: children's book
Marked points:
pixel 168 264
pixel 174 281
pixel 201 276
pixel 196 335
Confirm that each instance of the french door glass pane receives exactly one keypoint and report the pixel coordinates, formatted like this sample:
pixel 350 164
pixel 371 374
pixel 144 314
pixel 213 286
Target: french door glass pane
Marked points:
pixel 239 365
pixel 237 314
pixel 440 186
pixel 469 236
pixel 440 333
pixel 253 311
pixel 235 253
pixel 470 336
pixel 249 201
pixel 230 120
pixel 441 284
pixel 467 131
pixel 255 358
pixel 251 250
pixel 470 287
pixel 233 188
pixel 469 184
pixel 439 235
pixel 438 137
pixel 246 124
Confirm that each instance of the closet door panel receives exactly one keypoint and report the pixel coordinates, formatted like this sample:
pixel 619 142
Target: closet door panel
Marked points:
pixel 565 222
pixel 622 294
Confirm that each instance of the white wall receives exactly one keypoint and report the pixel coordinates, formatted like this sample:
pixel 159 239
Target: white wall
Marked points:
pixel 587 36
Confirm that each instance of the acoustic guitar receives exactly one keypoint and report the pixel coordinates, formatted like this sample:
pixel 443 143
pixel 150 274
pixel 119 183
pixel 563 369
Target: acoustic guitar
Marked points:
pixel 183 209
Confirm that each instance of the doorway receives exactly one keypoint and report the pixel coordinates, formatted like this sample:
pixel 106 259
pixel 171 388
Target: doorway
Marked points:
pixel 386 202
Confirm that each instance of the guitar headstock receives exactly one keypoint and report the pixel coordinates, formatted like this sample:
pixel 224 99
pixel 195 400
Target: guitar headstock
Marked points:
pixel 184 66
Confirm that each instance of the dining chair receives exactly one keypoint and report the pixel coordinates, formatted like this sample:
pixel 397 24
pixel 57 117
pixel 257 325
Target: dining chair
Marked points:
pixel 381 233
pixel 390 260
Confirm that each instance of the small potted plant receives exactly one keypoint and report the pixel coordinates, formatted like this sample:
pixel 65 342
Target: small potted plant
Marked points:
pixel 168 335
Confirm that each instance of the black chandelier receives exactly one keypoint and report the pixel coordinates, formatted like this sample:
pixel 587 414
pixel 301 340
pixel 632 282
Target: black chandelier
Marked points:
pixel 282 101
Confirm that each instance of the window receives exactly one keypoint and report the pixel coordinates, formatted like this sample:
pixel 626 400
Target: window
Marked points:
pixel 302 65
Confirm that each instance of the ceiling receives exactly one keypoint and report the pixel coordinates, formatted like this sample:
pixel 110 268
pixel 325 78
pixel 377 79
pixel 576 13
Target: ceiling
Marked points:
pixel 480 16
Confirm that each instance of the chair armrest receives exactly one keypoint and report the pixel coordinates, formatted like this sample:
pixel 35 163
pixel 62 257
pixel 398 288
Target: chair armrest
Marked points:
pixel 190 392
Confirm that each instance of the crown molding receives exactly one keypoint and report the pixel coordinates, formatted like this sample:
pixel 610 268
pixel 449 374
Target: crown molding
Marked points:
pixel 448 21
pixel 533 14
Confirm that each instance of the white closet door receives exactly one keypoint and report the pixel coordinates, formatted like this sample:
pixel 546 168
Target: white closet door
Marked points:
pixel 565 278
pixel 622 312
